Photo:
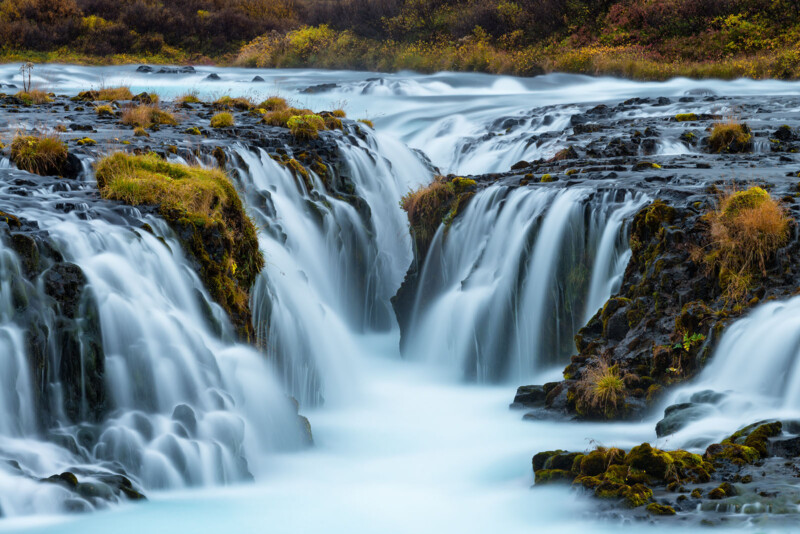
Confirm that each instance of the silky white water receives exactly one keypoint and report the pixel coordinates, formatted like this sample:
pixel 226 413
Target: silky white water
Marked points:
pixel 422 441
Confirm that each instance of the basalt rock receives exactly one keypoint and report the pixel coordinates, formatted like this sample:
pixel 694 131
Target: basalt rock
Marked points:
pixel 649 481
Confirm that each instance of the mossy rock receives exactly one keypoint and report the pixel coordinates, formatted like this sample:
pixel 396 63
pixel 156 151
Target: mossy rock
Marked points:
pixel 660 509
pixel 636 495
pixel 548 476
pixel 203 208
pixel 686 117
pixel 654 462
pixel 744 200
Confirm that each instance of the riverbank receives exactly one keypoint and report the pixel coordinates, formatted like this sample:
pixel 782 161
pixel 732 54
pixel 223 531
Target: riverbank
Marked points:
pixel 337 51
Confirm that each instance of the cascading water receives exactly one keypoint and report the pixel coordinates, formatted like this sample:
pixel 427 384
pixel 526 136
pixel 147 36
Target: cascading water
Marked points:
pixel 333 262
pixel 412 452
pixel 753 375
pixel 507 285
pixel 185 406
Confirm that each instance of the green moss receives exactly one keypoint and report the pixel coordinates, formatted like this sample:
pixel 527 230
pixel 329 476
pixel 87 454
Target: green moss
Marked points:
pixel 685 117
pixel 460 185
pixel 660 509
pixel 654 462
pixel 593 463
pixel 696 493
pixel 305 126
pixel 194 130
pixel 636 495
pixel 743 200
pixel 205 211
pixel 547 476
pixel 546 178
pixel 86 141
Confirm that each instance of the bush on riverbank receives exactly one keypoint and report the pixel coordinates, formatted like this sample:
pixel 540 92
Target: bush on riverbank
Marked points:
pixel 204 210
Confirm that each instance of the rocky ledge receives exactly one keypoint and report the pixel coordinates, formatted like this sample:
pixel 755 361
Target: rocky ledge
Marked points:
pixel 754 471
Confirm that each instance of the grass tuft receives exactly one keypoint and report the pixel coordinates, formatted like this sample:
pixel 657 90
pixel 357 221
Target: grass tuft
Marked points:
pixel 745 231
pixel 145 116
pixel 43 154
pixel 222 120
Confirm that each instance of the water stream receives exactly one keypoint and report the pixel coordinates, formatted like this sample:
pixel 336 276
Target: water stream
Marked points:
pixel 419 441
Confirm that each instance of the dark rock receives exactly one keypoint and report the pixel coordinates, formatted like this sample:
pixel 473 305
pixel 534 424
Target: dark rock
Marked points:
pixel 65 282
pixel 520 165
pixel 212 77
pixel 145 69
pixel 529 396
pixel 785 448
pixel 176 70
pixel 75 127
pixel 257 79
pixel 319 88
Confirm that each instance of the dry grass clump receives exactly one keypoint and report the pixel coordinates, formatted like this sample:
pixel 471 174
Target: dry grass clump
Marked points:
pixel 601 388
pixel 274 103
pixel 43 154
pixel 730 136
pixel 745 231
pixel 222 120
pixel 114 93
pixel 241 103
pixel 188 98
pixel 34 96
pixel 145 116
pixel 104 111
pixel 305 126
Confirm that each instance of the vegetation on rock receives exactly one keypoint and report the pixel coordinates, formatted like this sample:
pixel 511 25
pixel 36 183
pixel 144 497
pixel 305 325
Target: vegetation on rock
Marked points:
pixel 632 478
pixel 434 204
pixel 745 231
pixel 43 154
pixel 730 136
pixel 204 210
pixel 146 116
pixel 222 120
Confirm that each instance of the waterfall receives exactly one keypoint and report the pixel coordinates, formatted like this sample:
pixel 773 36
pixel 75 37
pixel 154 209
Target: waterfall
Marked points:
pixel 186 406
pixel 753 374
pixel 507 285
pixel 333 259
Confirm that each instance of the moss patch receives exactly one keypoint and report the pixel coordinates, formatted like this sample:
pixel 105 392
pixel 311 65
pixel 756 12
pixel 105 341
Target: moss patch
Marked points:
pixel 203 208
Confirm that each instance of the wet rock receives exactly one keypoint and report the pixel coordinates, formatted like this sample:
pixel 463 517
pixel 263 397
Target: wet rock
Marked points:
pixel 213 77
pixel 257 79
pixel 176 70
pixel 319 88
pixel 785 448
pixel 145 69
pixel 65 282
pixel 529 397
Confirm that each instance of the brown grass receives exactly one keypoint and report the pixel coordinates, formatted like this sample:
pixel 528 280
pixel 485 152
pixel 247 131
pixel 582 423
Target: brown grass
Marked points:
pixel 241 103
pixel 274 103
pixel 43 154
pixel 222 120
pixel 114 93
pixel 729 136
pixel 601 388
pixel 34 96
pixel 745 231
pixel 145 116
